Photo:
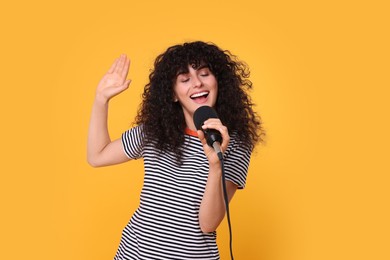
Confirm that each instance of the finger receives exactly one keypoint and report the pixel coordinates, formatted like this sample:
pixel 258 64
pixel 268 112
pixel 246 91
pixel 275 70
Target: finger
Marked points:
pixel 225 142
pixel 203 140
pixel 212 123
pixel 212 120
pixel 112 68
pixel 121 62
pixel 126 67
pixel 127 83
pixel 201 137
pixel 206 148
pixel 215 125
pixel 225 138
pixel 124 86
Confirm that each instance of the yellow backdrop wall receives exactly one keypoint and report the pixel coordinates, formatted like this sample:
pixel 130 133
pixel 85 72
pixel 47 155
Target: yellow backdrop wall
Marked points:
pixel 317 190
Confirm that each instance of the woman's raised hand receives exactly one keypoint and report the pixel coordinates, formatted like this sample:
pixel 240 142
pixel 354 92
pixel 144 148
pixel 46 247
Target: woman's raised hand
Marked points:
pixel 114 81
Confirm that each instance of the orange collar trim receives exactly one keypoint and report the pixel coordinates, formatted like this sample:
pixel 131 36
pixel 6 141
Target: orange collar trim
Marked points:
pixel 191 132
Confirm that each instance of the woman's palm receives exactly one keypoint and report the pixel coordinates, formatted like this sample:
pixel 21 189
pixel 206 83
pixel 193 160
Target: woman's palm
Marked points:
pixel 114 81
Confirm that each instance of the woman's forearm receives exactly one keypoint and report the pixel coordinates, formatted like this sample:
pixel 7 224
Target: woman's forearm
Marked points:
pixel 212 208
pixel 98 136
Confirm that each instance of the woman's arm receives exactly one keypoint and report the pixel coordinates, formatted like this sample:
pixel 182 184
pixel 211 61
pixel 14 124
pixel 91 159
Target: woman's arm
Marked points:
pixel 101 151
pixel 212 209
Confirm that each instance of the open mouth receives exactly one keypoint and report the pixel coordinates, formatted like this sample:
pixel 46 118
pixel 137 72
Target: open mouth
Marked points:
pixel 201 96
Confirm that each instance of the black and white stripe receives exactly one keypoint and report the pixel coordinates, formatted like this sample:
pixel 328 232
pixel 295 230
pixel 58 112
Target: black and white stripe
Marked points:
pixel 165 225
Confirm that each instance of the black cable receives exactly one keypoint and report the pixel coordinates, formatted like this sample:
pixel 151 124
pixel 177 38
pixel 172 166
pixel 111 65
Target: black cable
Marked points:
pixel 225 195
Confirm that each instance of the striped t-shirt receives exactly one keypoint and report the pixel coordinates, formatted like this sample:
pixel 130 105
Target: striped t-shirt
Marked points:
pixel 166 225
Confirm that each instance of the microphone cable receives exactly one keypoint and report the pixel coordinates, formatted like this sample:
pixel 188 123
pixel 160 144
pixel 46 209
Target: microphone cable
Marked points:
pixel 225 195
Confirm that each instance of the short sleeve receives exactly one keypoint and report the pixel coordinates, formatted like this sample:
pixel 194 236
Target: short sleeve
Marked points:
pixel 132 142
pixel 236 163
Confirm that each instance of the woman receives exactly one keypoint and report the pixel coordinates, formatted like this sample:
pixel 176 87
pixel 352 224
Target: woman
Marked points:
pixel 181 202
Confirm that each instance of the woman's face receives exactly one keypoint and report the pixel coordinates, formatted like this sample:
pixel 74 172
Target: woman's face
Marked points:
pixel 193 89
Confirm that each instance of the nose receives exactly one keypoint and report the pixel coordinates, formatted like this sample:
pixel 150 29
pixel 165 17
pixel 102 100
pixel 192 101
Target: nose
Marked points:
pixel 197 82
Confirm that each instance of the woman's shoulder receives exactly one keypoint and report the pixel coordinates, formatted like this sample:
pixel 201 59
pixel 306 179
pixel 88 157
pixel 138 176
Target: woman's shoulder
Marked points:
pixel 236 144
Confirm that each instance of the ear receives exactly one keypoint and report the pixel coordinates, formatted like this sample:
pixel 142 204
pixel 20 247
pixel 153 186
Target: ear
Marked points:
pixel 175 99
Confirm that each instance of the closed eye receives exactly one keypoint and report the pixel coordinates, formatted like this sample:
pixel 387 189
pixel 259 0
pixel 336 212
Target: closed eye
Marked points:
pixel 204 71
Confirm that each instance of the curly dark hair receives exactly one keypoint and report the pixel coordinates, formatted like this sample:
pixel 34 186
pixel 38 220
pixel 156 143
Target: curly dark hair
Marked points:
pixel 163 119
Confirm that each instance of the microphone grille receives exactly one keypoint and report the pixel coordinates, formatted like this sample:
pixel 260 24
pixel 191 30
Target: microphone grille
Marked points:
pixel 202 114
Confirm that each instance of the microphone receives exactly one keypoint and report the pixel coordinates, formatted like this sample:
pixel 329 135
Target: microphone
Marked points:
pixel 213 137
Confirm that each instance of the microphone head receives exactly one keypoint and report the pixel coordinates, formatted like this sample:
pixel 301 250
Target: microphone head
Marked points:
pixel 202 114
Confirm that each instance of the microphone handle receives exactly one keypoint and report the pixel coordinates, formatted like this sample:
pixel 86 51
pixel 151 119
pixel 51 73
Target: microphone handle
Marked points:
pixel 217 149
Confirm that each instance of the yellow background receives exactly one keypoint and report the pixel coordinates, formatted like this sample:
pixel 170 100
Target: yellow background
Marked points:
pixel 318 189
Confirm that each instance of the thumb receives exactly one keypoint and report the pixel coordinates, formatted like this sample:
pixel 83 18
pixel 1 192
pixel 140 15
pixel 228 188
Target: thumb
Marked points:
pixel 201 136
pixel 124 86
pixel 113 91
pixel 127 83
